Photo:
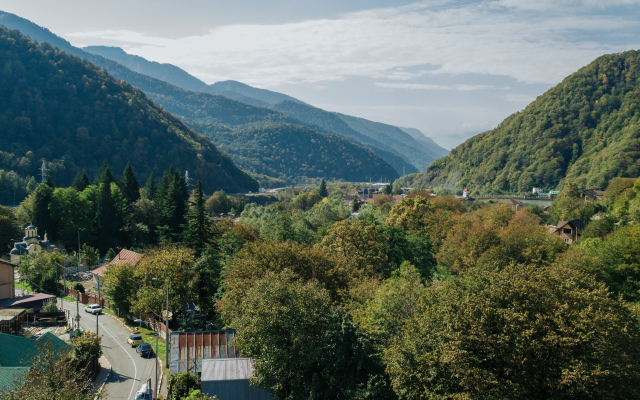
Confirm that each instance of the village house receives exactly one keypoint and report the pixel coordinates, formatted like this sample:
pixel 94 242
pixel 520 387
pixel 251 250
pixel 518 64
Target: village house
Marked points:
pixel 7 280
pixel 516 205
pixel 569 231
pixel 125 256
pixel 592 195
pixel 466 193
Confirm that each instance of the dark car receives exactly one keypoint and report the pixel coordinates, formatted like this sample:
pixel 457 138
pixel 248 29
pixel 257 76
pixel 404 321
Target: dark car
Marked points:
pixel 144 349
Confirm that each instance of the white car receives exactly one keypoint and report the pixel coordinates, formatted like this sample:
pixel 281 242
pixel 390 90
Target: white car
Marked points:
pixel 93 309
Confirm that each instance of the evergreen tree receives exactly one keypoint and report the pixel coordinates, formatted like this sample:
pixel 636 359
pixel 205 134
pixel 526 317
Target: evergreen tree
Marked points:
pixel 104 223
pixel 42 197
pixel 50 182
pixel 80 182
pixel 110 254
pixel 150 188
pixel 388 189
pixel 323 192
pixel 129 184
pixel 104 175
pixel 170 201
pixel 355 205
pixel 197 232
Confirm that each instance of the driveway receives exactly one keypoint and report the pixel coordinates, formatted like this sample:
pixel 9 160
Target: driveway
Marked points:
pixel 128 370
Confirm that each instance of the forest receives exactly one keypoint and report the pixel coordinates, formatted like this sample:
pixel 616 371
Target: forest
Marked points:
pixel 57 107
pixel 289 152
pixel 584 130
pixel 433 297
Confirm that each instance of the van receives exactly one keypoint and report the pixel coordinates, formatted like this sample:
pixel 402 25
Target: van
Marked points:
pixel 145 392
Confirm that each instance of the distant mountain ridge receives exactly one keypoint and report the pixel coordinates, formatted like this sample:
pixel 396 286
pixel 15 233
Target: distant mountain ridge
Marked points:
pixel 583 130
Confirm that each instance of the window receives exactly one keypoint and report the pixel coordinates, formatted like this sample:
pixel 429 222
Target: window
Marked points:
pixel 567 240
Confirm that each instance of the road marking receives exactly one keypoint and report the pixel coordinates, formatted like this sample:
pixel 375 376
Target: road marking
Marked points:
pixel 135 369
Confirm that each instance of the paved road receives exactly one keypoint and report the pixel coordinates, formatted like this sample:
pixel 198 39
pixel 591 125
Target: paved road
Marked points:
pixel 129 370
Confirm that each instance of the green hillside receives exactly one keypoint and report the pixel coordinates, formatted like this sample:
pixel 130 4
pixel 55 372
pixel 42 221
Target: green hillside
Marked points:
pixel 584 130
pixel 63 109
pixel 288 151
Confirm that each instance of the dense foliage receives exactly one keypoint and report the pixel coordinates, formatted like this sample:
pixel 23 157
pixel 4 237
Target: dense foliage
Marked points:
pixel 288 151
pixel 86 116
pixel 584 130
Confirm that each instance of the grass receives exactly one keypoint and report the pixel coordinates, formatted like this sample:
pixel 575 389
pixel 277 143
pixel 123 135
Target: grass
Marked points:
pixel 23 285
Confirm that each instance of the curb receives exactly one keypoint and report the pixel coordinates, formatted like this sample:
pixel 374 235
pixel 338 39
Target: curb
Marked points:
pixel 105 379
pixel 120 322
pixel 159 380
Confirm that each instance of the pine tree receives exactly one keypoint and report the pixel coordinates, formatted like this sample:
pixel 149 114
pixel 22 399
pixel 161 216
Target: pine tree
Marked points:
pixel 110 254
pixel 80 182
pixel 355 204
pixel 150 188
pixel 323 192
pixel 105 225
pixel 129 184
pixel 197 231
pixel 170 199
pixel 388 189
pixel 104 175
pixel 42 197
pixel 50 182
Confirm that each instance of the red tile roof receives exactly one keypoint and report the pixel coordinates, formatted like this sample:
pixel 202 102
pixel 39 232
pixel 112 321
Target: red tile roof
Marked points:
pixel 126 257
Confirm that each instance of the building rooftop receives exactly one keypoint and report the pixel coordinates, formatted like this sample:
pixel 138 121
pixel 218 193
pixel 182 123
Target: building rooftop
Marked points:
pixel 24 300
pixel 125 256
pixel 18 351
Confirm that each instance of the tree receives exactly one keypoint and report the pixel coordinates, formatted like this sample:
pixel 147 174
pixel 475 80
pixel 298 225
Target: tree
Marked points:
pixel 42 197
pixel 323 192
pixel 78 287
pixel 105 222
pixel 129 185
pixel 104 175
pixel 9 229
pixel 120 287
pixel 50 305
pixel 110 254
pixel 52 376
pixel 207 281
pixel 183 384
pixel 89 255
pixel 198 231
pixel 49 182
pixel 355 205
pixel 388 190
pixel 80 182
pixel 150 188
pixel 85 344
pixel 523 332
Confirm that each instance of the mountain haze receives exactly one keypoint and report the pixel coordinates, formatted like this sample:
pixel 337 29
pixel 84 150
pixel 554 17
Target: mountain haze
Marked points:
pixel 584 130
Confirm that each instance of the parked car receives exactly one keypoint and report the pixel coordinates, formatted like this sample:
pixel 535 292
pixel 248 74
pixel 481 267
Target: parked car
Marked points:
pixel 135 339
pixel 93 309
pixel 144 349
pixel 145 392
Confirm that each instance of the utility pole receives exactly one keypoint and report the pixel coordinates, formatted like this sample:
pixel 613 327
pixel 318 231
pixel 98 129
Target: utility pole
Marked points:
pixel 99 303
pixel 78 310
pixel 78 250
pixel 166 327
pixel 156 388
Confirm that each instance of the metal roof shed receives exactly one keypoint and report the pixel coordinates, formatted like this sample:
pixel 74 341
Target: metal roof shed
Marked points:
pixel 228 379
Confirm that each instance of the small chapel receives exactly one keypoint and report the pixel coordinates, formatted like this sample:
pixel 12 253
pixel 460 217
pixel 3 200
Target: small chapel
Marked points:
pixel 31 244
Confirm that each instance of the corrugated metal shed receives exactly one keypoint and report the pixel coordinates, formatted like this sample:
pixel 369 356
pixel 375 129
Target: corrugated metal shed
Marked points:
pixel 188 349
pixel 228 379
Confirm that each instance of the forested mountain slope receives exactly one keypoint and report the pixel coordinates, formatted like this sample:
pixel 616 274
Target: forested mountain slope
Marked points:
pixel 66 110
pixel 264 95
pixel 584 130
pixel 426 141
pixel 288 151
pixel 395 139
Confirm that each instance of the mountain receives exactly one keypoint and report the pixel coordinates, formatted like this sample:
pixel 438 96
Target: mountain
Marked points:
pixel 267 96
pixel 289 151
pixel 166 72
pixel 396 140
pixel 425 141
pixel 63 109
pixel 584 130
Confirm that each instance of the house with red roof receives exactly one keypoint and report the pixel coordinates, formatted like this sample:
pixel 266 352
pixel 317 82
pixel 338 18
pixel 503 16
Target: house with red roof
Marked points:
pixel 126 257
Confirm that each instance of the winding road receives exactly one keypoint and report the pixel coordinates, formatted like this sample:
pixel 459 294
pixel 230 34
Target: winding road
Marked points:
pixel 128 370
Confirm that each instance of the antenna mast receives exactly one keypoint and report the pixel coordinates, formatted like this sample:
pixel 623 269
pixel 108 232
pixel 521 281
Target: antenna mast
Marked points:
pixel 44 171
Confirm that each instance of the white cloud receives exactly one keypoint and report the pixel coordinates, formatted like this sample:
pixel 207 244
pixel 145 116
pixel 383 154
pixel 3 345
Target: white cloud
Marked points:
pixel 503 37
pixel 420 86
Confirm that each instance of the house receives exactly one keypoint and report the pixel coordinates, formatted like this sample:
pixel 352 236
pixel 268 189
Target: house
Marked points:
pixel 569 231
pixel 125 256
pixel 18 354
pixel 12 319
pixel 592 195
pixel 228 379
pixel 31 244
pixel 7 280
pixel 516 205
pixel 536 190
pixel 189 349
pixel 466 193
pixel 554 193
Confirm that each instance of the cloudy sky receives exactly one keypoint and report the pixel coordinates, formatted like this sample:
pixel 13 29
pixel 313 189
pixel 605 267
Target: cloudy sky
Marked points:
pixel 449 68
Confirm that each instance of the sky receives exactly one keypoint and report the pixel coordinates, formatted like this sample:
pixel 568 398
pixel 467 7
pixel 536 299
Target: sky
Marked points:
pixel 451 69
